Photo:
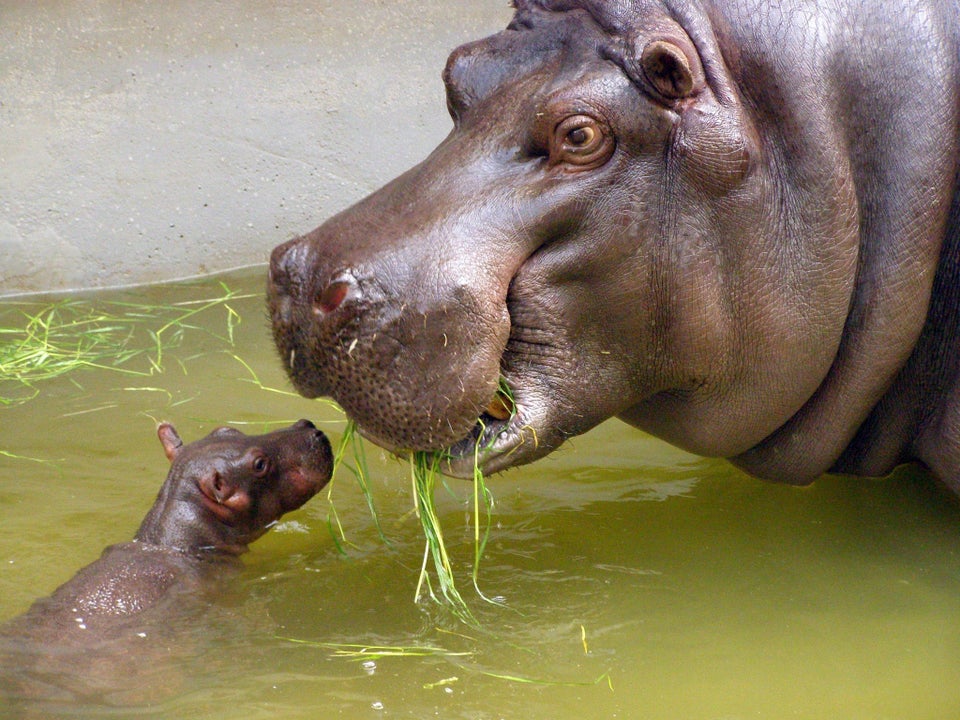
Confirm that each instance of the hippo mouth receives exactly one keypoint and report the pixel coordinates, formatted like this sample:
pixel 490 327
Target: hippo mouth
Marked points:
pixel 500 432
pixel 500 437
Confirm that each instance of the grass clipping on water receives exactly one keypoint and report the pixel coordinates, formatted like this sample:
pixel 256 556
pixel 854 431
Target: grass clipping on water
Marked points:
pixel 57 338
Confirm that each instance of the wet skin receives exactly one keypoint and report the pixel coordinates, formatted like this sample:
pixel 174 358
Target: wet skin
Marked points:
pixel 734 225
pixel 221 493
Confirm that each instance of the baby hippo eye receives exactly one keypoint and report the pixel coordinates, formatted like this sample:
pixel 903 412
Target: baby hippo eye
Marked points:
pixel 260 465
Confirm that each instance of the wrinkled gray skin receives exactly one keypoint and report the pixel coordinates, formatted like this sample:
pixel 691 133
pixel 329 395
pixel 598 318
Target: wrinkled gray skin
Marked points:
pixel 731 224
pixel 221 493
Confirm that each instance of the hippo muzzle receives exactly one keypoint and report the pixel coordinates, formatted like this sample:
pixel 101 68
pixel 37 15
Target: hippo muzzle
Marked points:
pixel 412 356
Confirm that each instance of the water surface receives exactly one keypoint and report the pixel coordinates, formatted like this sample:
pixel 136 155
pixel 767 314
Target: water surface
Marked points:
pixel 640 581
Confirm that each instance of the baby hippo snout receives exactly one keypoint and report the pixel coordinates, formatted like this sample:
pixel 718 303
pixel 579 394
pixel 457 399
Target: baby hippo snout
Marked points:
pixel 308 476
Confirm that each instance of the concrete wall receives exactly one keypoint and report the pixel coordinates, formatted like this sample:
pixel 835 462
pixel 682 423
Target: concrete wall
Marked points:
pixel 143 141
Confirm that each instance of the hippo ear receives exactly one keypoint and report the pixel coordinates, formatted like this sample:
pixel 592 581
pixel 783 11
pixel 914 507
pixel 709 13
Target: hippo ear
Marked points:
pixel 169 439
pixel 671 70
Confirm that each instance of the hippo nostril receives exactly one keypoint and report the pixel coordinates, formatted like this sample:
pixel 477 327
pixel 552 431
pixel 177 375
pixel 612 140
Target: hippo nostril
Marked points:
pixel 334 295
pixel 331 297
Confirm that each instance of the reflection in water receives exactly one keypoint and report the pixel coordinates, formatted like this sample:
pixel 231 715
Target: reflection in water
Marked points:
pixel 641 582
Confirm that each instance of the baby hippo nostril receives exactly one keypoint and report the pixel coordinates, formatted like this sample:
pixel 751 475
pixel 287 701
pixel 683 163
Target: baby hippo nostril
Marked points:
pixel 333 296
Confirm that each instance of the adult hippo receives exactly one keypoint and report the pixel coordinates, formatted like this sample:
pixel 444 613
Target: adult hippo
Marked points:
pixel 731 224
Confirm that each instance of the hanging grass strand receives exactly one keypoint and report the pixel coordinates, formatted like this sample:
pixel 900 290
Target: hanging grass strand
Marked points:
pixel 480 539
pixel 424 469
pixel 351 440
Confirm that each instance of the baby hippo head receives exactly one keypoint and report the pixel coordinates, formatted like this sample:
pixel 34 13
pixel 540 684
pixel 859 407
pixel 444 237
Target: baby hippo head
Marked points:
pixel 225 490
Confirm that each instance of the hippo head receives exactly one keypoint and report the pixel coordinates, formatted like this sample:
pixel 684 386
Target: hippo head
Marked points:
pixel 225 490
pixel 600 231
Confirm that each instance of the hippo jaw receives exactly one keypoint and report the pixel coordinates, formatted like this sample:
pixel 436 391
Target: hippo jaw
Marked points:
pixel 399 412
pixel 494 444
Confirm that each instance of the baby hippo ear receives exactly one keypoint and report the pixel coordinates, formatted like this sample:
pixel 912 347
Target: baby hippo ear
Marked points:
pixel 169 439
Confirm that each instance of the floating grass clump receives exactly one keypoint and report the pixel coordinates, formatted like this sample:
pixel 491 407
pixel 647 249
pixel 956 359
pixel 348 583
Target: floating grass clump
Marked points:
pixel 56 338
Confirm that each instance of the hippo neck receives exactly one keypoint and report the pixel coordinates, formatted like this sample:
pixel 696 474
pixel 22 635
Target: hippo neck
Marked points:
pixel 907 423
pixel 180 522
pixel 904 423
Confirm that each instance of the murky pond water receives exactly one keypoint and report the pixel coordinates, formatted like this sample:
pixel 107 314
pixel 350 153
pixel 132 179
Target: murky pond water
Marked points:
pixel 640 582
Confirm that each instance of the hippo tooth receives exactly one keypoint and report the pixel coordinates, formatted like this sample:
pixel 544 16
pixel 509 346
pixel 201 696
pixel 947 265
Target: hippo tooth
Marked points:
pixel 498 408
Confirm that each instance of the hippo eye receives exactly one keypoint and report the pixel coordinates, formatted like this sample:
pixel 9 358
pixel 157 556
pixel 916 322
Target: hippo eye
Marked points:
pixel 581 136
pixel 581 142
pixel 260 465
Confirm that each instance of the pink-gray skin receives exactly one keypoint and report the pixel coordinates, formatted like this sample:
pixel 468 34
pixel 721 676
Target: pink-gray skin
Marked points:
pixel 731 224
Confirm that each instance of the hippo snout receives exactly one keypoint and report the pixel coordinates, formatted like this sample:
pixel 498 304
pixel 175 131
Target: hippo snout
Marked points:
pixel 402 344
pixel 290 285
pixel 312 306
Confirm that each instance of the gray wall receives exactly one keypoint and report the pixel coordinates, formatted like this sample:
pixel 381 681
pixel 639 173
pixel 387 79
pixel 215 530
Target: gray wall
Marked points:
pixel 144 141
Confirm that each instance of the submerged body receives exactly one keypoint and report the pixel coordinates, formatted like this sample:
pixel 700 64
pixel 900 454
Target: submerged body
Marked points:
pixel 731 224
pixel 125 611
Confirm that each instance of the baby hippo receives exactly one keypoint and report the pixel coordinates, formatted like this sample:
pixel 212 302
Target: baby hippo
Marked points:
pixel 221 493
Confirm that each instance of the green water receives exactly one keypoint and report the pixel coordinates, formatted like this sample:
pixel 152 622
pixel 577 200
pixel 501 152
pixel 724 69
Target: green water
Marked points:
pixel 640 582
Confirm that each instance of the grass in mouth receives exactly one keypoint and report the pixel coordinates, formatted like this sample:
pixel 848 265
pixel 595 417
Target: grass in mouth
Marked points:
pixel 54 339
pixel 424 470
